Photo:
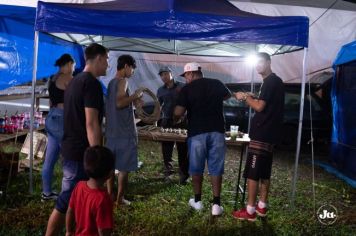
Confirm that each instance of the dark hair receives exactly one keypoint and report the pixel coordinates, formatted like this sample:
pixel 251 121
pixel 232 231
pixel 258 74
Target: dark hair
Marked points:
pixel 264 55
pixel 64 59
pixel 98 162
pixel 93 50
pixel 125 59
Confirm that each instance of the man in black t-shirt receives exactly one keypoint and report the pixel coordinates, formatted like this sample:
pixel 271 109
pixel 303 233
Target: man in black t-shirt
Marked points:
pixel 266 128
pixel 202 98
pixel 83 112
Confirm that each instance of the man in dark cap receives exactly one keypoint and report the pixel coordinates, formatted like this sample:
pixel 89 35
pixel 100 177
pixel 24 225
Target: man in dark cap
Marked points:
pixel 167 96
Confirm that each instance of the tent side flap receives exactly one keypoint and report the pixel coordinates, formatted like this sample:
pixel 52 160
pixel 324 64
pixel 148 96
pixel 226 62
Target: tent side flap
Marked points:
pixel 16 48
pixel 343 148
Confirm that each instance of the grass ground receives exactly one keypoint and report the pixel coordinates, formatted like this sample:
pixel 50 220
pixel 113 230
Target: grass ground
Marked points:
pixel 161 208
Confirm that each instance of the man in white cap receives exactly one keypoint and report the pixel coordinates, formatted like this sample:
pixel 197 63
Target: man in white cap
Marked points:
pixel 167 95
pixel 202 99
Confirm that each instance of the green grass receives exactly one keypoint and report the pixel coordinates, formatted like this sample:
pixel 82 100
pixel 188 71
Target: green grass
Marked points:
pixel 161 208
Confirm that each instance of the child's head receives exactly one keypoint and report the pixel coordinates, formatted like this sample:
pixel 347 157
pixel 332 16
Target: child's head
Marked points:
pixel 98 162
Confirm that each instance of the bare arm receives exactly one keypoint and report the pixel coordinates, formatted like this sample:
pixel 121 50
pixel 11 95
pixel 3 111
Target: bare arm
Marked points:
pixel 179 111
pixel 93 126
pixel 122 99
pixel 256 104
pixel 70 222
pixel 105 232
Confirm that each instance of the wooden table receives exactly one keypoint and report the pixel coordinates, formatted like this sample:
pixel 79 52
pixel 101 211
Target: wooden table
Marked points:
pixel 156 135
pixel 6 137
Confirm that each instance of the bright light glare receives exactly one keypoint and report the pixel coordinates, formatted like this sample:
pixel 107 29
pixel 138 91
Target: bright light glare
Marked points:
pixel 251 59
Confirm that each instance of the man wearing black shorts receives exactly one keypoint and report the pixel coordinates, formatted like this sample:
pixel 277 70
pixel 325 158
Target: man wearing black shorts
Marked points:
pixel 265 132
pixel 83 113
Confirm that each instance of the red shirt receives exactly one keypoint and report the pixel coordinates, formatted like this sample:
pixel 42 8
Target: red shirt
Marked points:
pixel 93 209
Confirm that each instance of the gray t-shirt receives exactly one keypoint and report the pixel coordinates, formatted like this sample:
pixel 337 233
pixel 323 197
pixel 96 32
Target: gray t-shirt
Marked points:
pixel 120 122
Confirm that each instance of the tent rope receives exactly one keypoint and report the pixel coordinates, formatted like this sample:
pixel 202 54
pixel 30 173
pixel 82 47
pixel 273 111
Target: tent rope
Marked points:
pixel 149 118
pixel 332 5
pixel 346 145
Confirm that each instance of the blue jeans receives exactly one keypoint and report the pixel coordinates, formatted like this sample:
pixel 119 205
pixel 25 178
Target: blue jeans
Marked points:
pixel 73 172
pixel 209 147
pixel 54 128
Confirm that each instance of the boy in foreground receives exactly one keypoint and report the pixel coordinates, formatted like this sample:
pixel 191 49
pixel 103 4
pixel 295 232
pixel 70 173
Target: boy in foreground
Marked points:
pixel 90 210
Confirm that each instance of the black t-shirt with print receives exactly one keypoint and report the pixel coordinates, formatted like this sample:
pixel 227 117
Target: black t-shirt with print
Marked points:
pixel 84 91
pixel 203 99
pixel 267 125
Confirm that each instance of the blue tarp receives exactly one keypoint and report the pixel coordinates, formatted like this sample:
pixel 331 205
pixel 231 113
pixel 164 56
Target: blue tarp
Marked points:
pixel 16 47
pixel 346 54
pixel 343 149
pixel 206 20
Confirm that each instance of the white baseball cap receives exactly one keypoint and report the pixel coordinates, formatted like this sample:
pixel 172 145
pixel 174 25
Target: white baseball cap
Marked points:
pixel 191 66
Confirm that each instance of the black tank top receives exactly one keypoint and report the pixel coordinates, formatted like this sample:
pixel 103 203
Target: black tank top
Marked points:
pixel 56 95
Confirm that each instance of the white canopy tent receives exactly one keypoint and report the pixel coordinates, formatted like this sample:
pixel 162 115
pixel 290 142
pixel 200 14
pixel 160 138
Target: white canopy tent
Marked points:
pixel 285 65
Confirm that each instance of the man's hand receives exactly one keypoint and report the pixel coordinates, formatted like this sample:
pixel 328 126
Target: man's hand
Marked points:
pixel 139 102
pixel 178 113
pixel 240 96
pixel 138 94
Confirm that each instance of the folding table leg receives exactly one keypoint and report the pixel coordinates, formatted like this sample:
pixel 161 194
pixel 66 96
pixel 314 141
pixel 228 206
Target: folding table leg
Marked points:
pixel 238 188
pixel 243 193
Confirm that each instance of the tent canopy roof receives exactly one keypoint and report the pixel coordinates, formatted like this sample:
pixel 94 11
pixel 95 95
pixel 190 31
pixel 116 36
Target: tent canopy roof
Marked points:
pixel 346 5
pixel 162 24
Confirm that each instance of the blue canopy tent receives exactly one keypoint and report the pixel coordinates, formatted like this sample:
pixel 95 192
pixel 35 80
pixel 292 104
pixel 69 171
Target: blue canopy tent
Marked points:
pixel 16 42
pixel 212 20
pixel 343 148
pixel 201 20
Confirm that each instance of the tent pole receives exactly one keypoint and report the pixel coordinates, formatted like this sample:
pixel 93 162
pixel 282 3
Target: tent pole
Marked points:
pixel 34 72
pixel 252 90
pixel 301 109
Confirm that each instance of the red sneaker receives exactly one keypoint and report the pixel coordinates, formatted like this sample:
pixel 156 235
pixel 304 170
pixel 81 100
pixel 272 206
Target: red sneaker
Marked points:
pixel 261 211
pixel 243 215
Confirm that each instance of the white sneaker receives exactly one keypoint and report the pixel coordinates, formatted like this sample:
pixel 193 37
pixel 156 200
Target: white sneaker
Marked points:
pixel 217 210
pixel 198 206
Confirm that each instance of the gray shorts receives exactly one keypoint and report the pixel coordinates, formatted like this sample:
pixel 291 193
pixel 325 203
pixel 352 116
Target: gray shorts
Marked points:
pixel 125 152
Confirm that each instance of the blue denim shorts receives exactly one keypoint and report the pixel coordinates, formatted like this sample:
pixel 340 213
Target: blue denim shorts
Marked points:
pixel 73 172
pixel 208 147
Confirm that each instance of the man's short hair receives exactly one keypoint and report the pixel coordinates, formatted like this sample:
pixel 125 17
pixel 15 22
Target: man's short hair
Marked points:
pixel 98 162
pixel 125 60
pixel 264 55
pixel 94 50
